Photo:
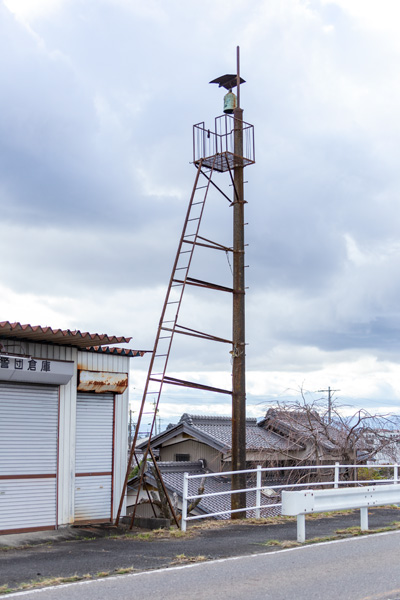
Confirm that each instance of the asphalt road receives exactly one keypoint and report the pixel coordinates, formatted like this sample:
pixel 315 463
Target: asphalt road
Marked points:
pixel 364 568
pixel 92 551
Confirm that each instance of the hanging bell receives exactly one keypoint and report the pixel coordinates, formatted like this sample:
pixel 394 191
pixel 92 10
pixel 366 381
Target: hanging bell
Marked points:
pixel 230 103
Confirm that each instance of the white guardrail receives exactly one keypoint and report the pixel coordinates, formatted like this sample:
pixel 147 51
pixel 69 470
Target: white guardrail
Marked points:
pixel 313 501
pixel 260 487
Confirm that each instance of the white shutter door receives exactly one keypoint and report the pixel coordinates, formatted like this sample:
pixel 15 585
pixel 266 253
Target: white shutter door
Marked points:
pixel 28 456
pixel 94 457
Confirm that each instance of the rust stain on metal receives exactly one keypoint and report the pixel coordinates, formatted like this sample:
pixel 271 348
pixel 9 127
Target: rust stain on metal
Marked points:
pixel 102 381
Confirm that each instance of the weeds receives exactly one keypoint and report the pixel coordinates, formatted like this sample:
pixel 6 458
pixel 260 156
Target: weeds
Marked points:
pixel 124 570
pixel 44 582
pixel 4 589
pixel 50 581
pixel 163 534
pixel 183 559
pixel 338 535
pixel 283 543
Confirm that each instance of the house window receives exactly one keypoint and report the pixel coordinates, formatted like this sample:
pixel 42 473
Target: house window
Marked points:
pixel 182 457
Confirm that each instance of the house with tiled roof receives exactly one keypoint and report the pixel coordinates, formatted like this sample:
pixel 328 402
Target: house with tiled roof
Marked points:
pixel 200 444
pixel 320 440
pixel 209 438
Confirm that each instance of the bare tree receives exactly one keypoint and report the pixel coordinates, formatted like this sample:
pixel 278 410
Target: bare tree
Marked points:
pixel 316 437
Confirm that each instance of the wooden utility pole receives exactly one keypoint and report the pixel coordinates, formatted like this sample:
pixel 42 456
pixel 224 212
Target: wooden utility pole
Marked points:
pixel 238 500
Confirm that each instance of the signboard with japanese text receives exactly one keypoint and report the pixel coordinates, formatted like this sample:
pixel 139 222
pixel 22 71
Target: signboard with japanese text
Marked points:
pixel 35 370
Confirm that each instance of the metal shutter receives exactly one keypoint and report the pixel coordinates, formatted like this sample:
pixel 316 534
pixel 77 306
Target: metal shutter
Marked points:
pixel 28 456
pixel 94 457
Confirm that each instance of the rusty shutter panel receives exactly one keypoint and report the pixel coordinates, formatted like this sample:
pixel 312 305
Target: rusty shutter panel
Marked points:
pixel 94 457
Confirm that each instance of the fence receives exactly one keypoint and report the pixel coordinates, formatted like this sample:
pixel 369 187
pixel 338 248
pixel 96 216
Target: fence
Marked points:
pixel 260 487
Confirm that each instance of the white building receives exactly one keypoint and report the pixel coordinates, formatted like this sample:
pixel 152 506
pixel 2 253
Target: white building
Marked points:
pixel 63 426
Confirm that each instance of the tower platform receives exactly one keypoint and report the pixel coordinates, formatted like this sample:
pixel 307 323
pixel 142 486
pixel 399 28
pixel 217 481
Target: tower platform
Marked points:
pixel 216 148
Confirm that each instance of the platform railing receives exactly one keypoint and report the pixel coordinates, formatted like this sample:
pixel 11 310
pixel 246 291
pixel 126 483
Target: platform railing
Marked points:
pixel 208 143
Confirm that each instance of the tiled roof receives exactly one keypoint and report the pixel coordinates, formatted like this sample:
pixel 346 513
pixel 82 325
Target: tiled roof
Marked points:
pixel 172 474
pixel 301 425
pixel 220 428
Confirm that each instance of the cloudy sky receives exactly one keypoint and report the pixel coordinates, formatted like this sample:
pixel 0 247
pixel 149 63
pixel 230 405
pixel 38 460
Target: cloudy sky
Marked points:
pixel 97 103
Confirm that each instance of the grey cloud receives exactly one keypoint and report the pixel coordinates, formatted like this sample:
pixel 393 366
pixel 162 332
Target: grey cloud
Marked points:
pixel 95 177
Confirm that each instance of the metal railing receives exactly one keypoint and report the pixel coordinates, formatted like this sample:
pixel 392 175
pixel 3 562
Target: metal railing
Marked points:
pixel 208 143
pixel 260 487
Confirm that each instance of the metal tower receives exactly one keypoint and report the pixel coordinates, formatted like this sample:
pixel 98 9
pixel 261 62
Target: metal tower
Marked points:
pixel 227 150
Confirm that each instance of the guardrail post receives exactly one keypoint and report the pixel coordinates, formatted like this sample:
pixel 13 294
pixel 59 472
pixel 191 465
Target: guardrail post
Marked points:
pixel 364 518
pixel 337 475
pixel 301 528
pixel 396 474
pixel 258 493
pixel 184 500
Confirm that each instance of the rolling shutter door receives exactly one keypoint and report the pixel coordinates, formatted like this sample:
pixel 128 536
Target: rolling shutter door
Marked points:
pixel 28 456
pixel 94 457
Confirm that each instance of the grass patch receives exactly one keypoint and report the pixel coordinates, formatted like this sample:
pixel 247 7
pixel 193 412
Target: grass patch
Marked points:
pixel 162 534
pixel 43 582
pixel 353 531
pixel 124 570
pixel 329 514
pixel 338 535
pixel 50 581
pixel 181 559
pixel 4 589
pixel 283 543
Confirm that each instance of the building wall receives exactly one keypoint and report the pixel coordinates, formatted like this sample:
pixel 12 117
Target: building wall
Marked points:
pixel 67 419
pixel 196 450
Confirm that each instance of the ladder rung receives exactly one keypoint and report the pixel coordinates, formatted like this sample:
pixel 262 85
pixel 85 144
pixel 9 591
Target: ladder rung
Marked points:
pixel 180 268
pixel 173 302
pixel 171 321
pixel 165 337
pixel 196 203
pixel 201 187
pixel 158 355
pixel 184 251
pixel 194 219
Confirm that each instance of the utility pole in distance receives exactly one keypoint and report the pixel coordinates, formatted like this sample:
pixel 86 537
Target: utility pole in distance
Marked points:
pixel 329 391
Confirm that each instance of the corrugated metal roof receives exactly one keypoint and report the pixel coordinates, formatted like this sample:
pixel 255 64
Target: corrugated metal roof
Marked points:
pixel 120 351
pixel 64 337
